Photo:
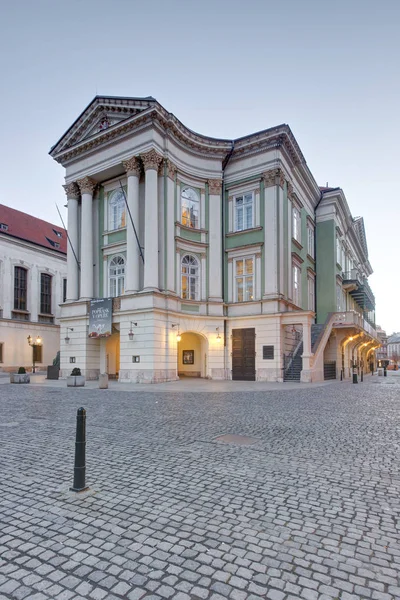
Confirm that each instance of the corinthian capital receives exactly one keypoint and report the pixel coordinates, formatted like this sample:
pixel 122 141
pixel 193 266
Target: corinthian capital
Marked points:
pixel 215 186
pixel 132 166
pixel 151 160
pixel 86 185
pixel 274 177
pixel 72 190
pixel 171 169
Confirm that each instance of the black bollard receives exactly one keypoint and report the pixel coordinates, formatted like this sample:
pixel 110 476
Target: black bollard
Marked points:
pixel 362 376
pixel 384 372
pixel 355 378
pixel 80 450
pixel 341 375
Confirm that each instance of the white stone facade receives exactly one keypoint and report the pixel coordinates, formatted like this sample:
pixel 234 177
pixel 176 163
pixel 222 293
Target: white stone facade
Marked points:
pixel 16 326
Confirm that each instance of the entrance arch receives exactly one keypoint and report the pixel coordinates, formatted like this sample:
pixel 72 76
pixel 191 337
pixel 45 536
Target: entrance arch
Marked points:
pixel 192 355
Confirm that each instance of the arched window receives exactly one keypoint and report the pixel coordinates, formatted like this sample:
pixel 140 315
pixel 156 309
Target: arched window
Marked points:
pixel 190 278
pixel 116 210
pixel 117 276
pixel 190 208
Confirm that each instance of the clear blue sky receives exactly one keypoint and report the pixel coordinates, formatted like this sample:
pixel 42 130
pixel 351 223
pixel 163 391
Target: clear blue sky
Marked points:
pixel 225 68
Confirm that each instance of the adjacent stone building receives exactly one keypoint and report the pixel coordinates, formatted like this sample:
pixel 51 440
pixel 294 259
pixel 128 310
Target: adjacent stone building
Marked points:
pixel 33 277
pixel 206 245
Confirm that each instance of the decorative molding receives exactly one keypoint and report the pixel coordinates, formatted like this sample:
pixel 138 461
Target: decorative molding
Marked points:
pixel 171 169
pixel 274 177
pixel 289 190
pixel 258 254
pixel 72 190
pixel 86 185
pixel 132 166
pixel 151 160
pixel 215 186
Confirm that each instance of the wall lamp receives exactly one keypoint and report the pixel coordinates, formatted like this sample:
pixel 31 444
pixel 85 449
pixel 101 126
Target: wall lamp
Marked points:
pixel 131 334
pixel 178 335
pixel 67 337
pixel 218 336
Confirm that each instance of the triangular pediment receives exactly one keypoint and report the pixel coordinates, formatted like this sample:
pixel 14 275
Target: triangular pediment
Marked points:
pixel 102 114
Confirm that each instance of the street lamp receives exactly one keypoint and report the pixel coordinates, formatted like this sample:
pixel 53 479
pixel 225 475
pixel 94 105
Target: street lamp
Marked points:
pixel 34 344
pixel 131 334
pixel 178 335
pixel 67 336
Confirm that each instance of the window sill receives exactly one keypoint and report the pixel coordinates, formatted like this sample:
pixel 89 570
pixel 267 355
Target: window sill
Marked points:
pixel 114 230
pixel 297 243
pixel 187 228
pixel 232 233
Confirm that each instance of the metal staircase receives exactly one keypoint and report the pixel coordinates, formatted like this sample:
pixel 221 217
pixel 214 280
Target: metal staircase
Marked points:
pixel 293 363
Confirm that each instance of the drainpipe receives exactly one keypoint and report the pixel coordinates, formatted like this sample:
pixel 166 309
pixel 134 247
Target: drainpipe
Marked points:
pixel 315 255
pixel 224 165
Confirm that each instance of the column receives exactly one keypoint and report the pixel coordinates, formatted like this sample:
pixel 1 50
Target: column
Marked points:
pixel 305 375
pixel 87 186
pixel 169 216
pixel 132 168
pixel 151 162
pixel 271 234
pixel 72 191
pixel 215 240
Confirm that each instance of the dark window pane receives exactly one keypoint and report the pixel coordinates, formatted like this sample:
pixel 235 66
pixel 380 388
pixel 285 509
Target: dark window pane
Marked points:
pixel 20 288
pixel 45 294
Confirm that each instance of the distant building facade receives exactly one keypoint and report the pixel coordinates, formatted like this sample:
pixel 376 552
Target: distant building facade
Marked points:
pixel 393 348
pixel 382 351
pixel 33 274
pixel 207 247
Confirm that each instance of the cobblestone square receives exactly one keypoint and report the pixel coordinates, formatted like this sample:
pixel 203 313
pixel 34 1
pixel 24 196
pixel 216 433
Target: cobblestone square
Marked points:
pixel 309 508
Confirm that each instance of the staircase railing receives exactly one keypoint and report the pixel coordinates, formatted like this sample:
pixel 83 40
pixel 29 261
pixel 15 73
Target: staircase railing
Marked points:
pixel 293 355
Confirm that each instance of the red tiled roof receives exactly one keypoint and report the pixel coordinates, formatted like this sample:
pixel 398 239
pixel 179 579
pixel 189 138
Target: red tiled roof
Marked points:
pixel 31 229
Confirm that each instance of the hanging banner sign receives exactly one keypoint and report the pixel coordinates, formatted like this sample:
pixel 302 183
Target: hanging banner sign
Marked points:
pixel 100 318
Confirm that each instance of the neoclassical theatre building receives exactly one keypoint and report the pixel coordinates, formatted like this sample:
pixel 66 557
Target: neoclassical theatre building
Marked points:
pixel 206 246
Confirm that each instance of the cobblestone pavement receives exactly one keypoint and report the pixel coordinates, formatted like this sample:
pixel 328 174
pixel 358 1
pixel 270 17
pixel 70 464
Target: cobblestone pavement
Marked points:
pixel 309 510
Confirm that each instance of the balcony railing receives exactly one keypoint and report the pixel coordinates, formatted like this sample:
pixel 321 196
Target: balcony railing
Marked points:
pixel 359 289
pixel 354 318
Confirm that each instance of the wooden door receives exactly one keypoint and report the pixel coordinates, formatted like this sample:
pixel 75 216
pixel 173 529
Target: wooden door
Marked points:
pixel 244 354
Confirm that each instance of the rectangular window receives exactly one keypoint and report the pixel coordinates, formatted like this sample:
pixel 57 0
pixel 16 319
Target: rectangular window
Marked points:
pixel 45 294
pixel 296 224
pixel 311 293
pixel 338 251
pixel 296 273
pixel 64 290
pixel 339 297
pixel 244 211
pixel 1 351
pixel 310 240
pixel 20 288
pixel 244 279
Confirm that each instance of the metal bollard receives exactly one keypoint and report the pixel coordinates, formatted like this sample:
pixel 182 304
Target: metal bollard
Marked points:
pixel 341 374
pixel 80 450
pixel 385 372
pixel 355 378
pixel 362 376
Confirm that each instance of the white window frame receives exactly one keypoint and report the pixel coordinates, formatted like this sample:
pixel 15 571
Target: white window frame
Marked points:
pixel 119 279
pixel 310 240
pixel 296 284
pixel 117 215
pixel 245 276
pixel 311 292
pixel 248 202
pixel 296 224
pixel 339 297
pixel 185 220
pixel 191 277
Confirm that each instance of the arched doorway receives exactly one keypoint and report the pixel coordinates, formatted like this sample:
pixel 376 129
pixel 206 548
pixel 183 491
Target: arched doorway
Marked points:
pixel 192 355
